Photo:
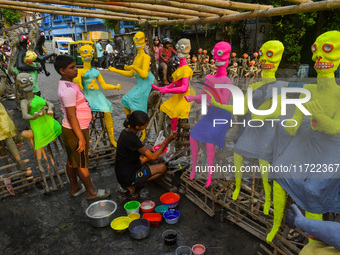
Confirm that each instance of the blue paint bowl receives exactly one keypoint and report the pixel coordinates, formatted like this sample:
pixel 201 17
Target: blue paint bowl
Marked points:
pixel 171 216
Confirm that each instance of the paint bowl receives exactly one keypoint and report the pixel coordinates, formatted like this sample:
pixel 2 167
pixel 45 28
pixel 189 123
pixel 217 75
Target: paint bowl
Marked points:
pixel 139 229
pixel 156 147
pixel 134 216
pixel 101 212
pixel 147 206
pixel 198 249
pixel 161 209
pixel 132 207
pixel 171 216
pixel 170 199
pixel 183 250
pixel 169 237
pixel 121 224
pixel 154 218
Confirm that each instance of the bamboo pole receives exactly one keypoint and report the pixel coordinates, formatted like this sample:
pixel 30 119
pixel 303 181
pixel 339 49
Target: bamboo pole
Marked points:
pixel 184 5
pixel 86 4
pixel 51 7
pixel 80 14
pixel 299 1
pixel 278 11
pixel 155 7
pixel 226 4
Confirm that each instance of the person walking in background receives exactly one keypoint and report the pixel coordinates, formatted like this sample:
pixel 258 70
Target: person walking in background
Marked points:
pixel 109 50
pixel 75 129
pixel 100 54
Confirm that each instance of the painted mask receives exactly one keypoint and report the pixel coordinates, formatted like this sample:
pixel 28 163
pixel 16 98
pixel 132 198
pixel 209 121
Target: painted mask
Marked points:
pixel 255 54
pixel 233 54
pixel 205 52
pixel 86 52
pixel 200 50
pixel 221 54
pixel 326 52
pixel 25 81
pixel 139 40
pixel 271 55
pixel 183 47
pixel 245 55
pixel 30 57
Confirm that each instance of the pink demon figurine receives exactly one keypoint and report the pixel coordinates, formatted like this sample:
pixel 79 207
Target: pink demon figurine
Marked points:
pixel 204 130
pixel 176 107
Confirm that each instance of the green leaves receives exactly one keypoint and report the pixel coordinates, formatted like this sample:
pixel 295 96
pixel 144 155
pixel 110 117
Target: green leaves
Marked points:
pixel 11 17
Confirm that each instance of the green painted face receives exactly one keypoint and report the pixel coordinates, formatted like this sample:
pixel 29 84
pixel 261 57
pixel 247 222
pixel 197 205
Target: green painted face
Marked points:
pixel 271 55
pixel 326 53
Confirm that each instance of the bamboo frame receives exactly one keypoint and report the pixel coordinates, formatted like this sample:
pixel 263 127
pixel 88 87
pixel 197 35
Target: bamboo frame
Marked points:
pixel 80 14
pixel 155 7
pixel 278 11
pixel 195 4
pixel 86 4
pixel 299 1
pixel 183 5
pixel 58 8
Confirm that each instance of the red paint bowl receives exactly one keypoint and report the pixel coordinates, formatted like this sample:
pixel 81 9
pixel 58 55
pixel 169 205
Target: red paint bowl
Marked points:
pixel 170 199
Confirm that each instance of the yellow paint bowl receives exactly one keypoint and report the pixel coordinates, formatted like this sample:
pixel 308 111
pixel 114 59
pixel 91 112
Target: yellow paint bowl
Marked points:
pixel 134 216
pixel 121 224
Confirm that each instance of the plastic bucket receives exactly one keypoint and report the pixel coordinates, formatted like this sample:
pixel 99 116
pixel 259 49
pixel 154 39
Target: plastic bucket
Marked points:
pixel 198 249
pixel 134 216
pixel 132 207
pixel 161 209
pixel 171 216
pixel 183 250
pixel 169 237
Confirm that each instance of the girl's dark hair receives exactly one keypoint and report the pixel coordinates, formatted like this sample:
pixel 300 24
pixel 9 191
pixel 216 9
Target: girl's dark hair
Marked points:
pixel 62 61
pixel 136 118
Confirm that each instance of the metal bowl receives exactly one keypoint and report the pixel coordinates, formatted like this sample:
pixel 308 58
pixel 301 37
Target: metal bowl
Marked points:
pixel 139 228
pixel 101 213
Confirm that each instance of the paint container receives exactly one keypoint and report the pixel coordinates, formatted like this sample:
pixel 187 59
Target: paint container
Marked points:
pixel 169 237
pixel 198 249
pixel 183 250
pixel 132 207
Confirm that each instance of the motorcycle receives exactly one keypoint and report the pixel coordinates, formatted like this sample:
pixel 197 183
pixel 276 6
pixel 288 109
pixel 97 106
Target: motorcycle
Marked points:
pixel 172 64
pixel 121 58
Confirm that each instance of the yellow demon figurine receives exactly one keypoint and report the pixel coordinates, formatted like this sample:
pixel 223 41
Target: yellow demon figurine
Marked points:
pixel 87 80
pixel 257 142
pixel 137 97
pixel 312 146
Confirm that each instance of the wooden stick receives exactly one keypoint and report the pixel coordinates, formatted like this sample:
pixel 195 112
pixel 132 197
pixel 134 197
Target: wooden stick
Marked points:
pixel 184 5
pixel 53 164
pixel 195 4
pixel 113 8
pixel 69 13
pixel 228 4
pixel 54 185
pixel 278 11
pixel 76 10
pixel 155 7
pixel 299 1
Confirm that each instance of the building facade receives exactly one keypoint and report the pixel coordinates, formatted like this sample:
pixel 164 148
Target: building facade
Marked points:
pixel 55 25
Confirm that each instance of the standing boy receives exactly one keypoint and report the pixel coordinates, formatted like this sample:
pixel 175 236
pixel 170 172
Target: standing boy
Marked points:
pixel 77 117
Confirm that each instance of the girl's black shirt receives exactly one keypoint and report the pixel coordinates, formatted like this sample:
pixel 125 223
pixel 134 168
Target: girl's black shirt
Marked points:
pixel 127 158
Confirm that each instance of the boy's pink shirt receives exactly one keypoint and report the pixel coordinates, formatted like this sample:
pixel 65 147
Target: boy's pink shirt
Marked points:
pixel 69 94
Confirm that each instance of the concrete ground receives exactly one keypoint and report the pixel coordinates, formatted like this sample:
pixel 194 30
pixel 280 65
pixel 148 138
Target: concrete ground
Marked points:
pixel 34 223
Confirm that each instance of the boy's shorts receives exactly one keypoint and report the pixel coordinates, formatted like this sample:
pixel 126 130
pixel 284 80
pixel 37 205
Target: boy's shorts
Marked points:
pixel 76 159
pixel 142 175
